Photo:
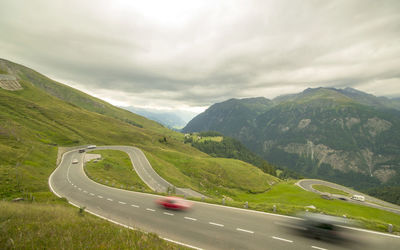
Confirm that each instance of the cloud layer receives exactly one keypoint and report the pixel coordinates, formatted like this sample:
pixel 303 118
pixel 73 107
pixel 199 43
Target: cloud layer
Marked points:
pixel 183 54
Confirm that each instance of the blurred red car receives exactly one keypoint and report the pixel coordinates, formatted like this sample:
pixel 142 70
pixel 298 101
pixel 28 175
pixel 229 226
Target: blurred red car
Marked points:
pixel 175 203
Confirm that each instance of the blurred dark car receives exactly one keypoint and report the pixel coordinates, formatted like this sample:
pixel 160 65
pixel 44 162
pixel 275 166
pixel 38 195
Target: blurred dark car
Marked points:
pixel 323 227
pixel 81 151
pixel 174 203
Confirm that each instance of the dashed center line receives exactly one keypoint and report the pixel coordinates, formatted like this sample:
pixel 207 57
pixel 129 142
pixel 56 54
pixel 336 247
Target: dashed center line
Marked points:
pixel 189 218
pixel 149 209
pixel 101 197
pixel 244 230
pixel 80 189
pixel 92 194
pixel 134 205
pixel 168 214
pixel 85 191
pixel 121 202
pixel 109 199
pixel 319 248
pixel 277 238
pixel 215 224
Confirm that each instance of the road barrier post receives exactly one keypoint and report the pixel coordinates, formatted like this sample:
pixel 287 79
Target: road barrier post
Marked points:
pixel 202 198
pixel 390 228
pixel 223 201
pixel 246 204
pixel 274 208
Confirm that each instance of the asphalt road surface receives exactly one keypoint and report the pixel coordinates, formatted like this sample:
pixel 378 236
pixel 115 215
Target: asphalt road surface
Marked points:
pixel 147 173
pixel 370 201
pixel 205 226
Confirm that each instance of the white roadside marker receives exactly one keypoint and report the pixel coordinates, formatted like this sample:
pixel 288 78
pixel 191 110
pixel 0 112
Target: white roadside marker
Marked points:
pixel 168 214
pixel 134 205
pixel 149 209
pixel 121 202
pixel 319 248
pixel 189 218
pixel 244 230
pixel 80 189
pixel 85 191
pixel 277 238
pixel 92 194
pixel 215 224
pixel 101 197
pixel 109 199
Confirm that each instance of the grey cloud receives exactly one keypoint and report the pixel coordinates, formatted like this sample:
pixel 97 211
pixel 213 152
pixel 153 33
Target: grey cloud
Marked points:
pixel 218 50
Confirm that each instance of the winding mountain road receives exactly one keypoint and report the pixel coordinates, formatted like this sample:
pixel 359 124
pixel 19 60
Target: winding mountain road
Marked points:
pixel 206 226
pixel 370 201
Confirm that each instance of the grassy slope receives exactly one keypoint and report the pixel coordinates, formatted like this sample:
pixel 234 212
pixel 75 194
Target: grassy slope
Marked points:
pixel 50 226
pixel 33 123
pixel 326 189
pixel 115 169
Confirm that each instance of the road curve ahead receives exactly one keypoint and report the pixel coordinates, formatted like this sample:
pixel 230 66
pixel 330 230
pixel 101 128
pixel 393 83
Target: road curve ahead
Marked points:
pixel 146 172
pixel 370 201
pixel 206 226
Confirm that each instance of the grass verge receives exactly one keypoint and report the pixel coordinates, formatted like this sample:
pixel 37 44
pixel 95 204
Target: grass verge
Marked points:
pixel 49 226
pixel 290 199
pixel 326 189
pixel 115 170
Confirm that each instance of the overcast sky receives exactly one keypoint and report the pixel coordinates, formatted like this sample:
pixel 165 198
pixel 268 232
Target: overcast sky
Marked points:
pixel 190 54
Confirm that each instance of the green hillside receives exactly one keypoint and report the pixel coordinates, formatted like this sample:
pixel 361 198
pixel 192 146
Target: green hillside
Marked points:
pixel 34 122
pixel 217 145
pixel 342 135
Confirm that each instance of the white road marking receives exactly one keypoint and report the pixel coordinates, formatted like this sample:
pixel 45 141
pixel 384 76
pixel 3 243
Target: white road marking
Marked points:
pixel 101 197
pixel 168 214
pixel 149 209
pixel 92 194
pixel 109 199
pixel 319 248
pixel 189 218
pixel 134 205
pixel 121 202
pixel 113 221
pixel 183 244
pixel 215 224
pixel 85 191
pixel 80 189
pixel 277 238
pixel 75 186
pixel 244 230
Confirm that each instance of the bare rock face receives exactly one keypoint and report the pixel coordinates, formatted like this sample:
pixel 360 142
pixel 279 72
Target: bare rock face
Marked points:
pixel 351 121
pixel 376 126
pixel 304 123
pixel 384 174
pixel 343 160
pixel 8 82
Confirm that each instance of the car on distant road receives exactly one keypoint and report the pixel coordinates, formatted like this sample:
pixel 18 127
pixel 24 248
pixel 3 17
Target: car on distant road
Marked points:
pixel 175 203
pixel 75 161
pixel 358 197
pixel 81 151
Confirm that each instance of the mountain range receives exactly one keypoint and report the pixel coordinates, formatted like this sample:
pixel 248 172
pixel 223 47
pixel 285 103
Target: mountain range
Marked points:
pixel 342 135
